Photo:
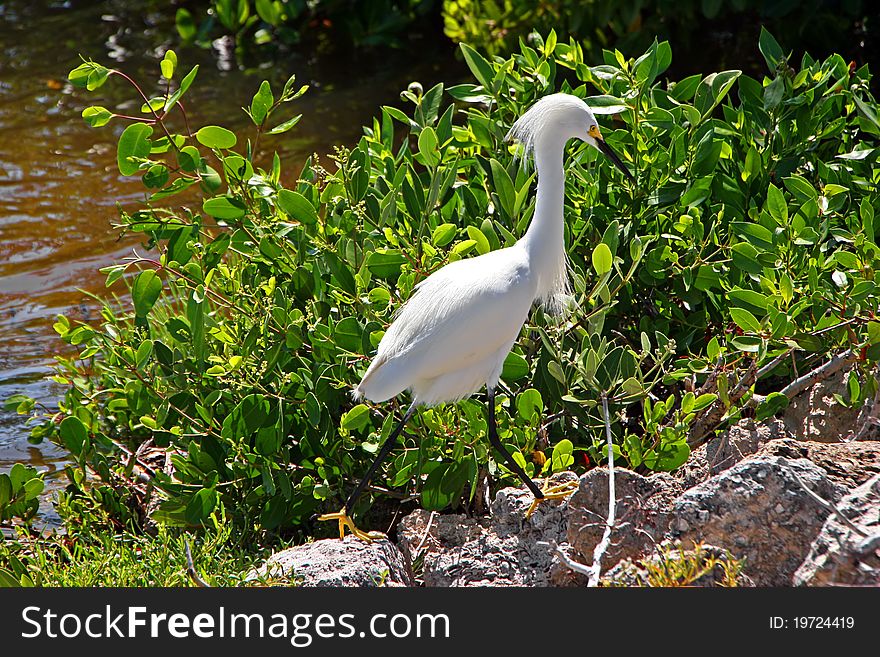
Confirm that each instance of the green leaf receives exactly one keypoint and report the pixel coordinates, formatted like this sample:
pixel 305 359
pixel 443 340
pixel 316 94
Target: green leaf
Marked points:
pixel 168 64
pixel 145 291
pixel 134 144
pixel 284 127
pixel 73 434
pixel 297 207
pixel 7 579
pixel 515 367
pixel 200 506
pixel 745 320
pixel 357 419
pixel 443 234
pixel 770 48
pixel 96 116
pixel 529 404
pixel 225 207
pixel 347 334
pixel 668 456
pixel 80 76
pixel 214 136
pixel 261 103
pixel 605 104
pixel 481 69
pixel 602 259
pixel 773 404
pixel 713 89
pixel 867 111
pixel 482 242
pixel 249 415
pixel 776 205
pixel 562 457
pixel 385 264
pixel 503 187
pixel 184 85
pixel 33 488
pixel 6 492
pixel 428 146
pixel 745 257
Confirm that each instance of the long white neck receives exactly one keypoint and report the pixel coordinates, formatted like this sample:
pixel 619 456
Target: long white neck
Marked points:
pixel 545 239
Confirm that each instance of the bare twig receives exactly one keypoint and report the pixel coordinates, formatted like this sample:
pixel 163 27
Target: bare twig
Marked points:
pixel 769 367
pixel 813 377
pixel 425 535
pixel 828 505
pixel 191 569
pixel 602 545
pixel 566 560
pixel 712 416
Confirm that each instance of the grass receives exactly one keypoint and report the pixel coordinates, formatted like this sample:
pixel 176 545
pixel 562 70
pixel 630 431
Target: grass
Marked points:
pixel 92 554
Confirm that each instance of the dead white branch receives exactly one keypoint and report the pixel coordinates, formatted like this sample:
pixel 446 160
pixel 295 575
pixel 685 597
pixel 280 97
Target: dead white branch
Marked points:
pixel 602 545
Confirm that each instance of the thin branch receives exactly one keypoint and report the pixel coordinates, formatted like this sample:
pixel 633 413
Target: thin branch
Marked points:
pixel 191 569
pixel 813 377
pixel 425 535
pixel 566 560
pixel 602 545
pixel 769 367
pixel 828 505
pixel 712 417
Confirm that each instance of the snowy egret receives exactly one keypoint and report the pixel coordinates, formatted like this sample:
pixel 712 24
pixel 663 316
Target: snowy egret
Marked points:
pixel 452 336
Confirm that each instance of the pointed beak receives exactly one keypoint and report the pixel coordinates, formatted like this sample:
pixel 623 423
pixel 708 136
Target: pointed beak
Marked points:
pixel 607 151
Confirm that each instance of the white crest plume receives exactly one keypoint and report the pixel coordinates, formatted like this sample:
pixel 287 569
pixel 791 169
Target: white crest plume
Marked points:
pixel 538 117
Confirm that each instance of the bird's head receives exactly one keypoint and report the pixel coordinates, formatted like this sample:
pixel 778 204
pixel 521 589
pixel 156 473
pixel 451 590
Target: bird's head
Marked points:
pixel 555 119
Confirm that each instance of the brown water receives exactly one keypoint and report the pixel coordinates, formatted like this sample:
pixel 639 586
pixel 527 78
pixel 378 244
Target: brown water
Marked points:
pixel 59 184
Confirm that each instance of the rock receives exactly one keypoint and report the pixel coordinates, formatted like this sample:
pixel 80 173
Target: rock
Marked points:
pixel 847 465
pixel 640 513
pixel 331 562
pixel 815 414
pixel 727 449
pixel 840 555
pixel 501 550
pixel 741 440
pixel 671 564
pixel 759 511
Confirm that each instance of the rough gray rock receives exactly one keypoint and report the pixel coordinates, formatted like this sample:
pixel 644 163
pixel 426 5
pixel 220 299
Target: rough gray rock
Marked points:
pixel 741 440
pixel 757 510
pixel 331 562
pixel 847 465
pixel 641 510
pixel 728 448
pixel 501 550
pixel 815 414
pixel 840 555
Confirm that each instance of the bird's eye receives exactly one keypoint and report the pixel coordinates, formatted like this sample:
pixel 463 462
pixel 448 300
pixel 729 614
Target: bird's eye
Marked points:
pixel 594 132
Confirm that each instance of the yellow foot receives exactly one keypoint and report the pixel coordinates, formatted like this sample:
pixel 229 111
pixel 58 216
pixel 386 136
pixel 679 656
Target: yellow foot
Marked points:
pixel 552 493
pixel 344 521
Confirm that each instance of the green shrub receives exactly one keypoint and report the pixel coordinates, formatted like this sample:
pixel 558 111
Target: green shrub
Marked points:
pixel 496 26
pixel 747 247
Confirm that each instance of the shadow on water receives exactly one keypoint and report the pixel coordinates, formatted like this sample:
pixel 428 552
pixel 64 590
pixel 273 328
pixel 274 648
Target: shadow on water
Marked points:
pixel 59 184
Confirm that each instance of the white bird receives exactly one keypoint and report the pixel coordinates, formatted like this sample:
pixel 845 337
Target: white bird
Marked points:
pixel 452 336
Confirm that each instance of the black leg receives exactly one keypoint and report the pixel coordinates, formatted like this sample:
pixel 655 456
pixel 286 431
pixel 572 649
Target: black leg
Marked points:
pixel 496 443
pixel 387 446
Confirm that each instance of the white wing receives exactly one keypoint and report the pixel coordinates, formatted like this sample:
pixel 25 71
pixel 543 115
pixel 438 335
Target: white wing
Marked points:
pixel 459 316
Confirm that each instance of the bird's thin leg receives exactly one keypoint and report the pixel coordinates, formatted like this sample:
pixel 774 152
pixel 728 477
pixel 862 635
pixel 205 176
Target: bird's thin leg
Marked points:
pixel 548 492
pixel 342 516
pixel 496 443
